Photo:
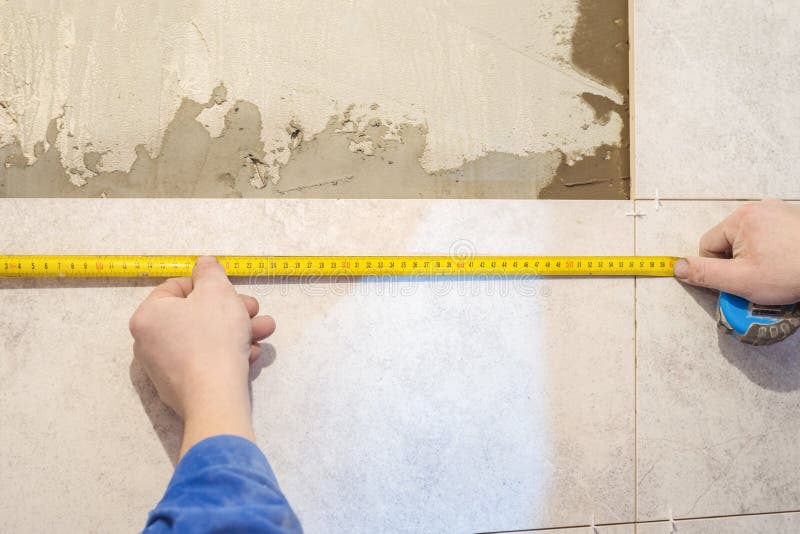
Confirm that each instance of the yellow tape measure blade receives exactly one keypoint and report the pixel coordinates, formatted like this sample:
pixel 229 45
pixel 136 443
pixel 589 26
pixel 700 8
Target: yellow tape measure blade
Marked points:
pixel 88 266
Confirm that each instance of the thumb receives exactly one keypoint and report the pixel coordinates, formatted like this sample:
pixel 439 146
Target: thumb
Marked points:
pixel 208 273
pixel 728 275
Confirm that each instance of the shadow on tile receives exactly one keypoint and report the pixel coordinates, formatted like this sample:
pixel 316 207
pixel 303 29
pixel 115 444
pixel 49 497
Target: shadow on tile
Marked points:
pixel 267 358
pixel 55 283
pixel 775 367
pixel 256 280
pixel 166 423
pixel 67 282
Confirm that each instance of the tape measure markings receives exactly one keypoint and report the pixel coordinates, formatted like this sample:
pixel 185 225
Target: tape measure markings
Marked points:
pixel 89 266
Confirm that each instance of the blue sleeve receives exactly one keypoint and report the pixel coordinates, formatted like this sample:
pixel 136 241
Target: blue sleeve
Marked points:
pixel 223 484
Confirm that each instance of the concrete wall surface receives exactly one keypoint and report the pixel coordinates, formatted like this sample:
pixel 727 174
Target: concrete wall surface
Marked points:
pixel 373 98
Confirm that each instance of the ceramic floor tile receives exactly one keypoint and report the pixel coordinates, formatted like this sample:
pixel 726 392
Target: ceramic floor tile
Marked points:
pixel 718 421
pixel 788 523
pixel 714 93
pixel 404 405
pixel 611 529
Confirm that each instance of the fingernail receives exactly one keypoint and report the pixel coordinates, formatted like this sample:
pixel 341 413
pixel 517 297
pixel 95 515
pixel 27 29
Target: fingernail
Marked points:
pixel 202 260
pixel 681 269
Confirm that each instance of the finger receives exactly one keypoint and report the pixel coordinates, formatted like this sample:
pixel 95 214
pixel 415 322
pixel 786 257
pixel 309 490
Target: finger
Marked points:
pixel 731 276
pixel 715 243
pixel 209 274
pixel 251 304
pixel 174 287
pixel 263 327
pixel 255 352
pixel 718 242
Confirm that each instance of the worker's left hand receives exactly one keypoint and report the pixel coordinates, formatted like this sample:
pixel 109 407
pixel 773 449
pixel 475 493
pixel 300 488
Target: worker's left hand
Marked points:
pixel 194 337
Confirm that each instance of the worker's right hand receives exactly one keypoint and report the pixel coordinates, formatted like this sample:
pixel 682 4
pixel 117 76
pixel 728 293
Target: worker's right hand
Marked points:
pixel 754 253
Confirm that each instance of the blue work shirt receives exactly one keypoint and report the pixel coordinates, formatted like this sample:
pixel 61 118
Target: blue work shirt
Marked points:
pixel 223 484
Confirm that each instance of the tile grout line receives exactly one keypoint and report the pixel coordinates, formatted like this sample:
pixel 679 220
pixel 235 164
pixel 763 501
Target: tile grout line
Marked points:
pixel 634 190
pixel 633 193
pixel 635 385
pixel 647 522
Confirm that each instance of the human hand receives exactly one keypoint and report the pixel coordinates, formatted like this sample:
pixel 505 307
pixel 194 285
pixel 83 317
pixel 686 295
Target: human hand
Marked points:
pixel 754 253
pixel 194 337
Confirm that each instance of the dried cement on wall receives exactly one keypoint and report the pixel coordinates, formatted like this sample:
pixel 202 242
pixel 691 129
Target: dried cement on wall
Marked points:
pixel 308 98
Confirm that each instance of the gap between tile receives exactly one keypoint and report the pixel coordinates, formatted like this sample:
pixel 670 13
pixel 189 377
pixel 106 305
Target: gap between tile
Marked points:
pixel 645 522
pixel 635 382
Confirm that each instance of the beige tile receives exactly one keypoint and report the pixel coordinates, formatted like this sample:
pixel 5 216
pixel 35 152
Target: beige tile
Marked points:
pixel 787 523
pixel 714 92
pixel 425 405
pixel 718 421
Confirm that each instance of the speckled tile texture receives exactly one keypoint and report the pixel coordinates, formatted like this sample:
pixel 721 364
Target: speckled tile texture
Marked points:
pixel 715 92
pixel 714 115
pixel 787 523
pixel 718 422
pixel 399 406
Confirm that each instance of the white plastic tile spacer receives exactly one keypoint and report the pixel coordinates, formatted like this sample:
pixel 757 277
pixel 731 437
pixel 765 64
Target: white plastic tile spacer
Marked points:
pixel 635 213
pixel 672 526
pixel 658 201
pixel 592 528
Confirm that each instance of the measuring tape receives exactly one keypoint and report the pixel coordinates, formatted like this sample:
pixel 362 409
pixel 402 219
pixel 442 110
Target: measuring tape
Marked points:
pixel 758 325
pixel 331 266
